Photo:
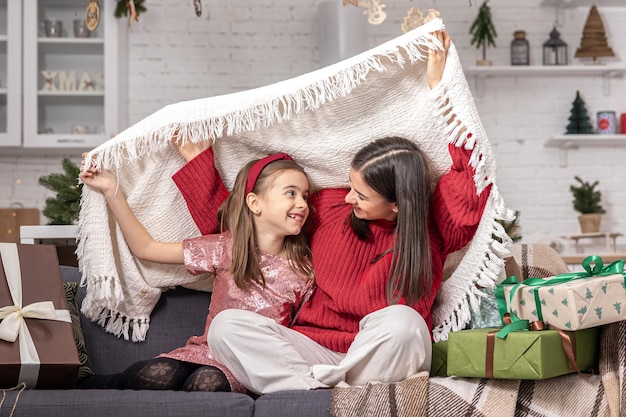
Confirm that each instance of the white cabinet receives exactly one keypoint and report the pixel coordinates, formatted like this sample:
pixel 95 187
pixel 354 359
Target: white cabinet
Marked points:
pixel 73 86
pixel 10 73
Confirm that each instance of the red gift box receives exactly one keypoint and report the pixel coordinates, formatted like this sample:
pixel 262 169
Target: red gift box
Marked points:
pixel 37 344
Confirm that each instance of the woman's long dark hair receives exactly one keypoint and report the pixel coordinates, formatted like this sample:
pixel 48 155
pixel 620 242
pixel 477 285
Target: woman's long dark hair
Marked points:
pixel 398 170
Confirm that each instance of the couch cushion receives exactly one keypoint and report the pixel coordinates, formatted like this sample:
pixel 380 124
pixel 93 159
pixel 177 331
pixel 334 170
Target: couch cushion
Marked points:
pixel 179 314
pixel 314 403
pixel 106 403
pixel 85 368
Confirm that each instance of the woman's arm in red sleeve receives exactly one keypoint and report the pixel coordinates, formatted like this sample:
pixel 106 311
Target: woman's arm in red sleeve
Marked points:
pixel 457 205
pixel 202 188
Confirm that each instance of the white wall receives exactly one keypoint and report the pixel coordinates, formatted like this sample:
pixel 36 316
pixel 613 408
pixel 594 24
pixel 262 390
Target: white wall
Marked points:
pixel 236 45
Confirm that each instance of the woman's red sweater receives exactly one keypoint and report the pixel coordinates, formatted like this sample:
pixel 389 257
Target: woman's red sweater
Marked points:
pixel 350 284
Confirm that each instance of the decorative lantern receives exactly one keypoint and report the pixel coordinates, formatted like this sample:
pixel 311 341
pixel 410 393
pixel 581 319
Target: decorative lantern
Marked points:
pixel 555 50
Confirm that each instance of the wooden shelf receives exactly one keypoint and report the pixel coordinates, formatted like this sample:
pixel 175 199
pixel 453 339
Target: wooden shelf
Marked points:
pixel 567 142
pixel 583 3
pixel 70 41
pixel 608 70
pixel 71 93
pixel 574 141
pixel 42 234
pixel 605 71
pixel 609 237
pixel 607 258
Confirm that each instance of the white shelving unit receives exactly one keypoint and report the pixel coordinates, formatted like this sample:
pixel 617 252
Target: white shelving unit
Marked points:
pixel 607 72
pixel 10 73
pixel 582 3
pixel 574 141
pixel 73 88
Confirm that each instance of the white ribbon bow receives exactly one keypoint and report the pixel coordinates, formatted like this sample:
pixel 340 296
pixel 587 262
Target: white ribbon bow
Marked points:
pixel 13 326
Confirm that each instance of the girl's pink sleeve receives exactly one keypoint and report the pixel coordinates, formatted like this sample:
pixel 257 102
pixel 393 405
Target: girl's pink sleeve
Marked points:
pixel 202 188
pixel 457 206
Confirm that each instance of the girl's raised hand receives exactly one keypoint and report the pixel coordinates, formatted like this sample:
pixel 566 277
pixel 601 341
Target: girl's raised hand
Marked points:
pixel 437 59
pixel 102 180
pixel 190 150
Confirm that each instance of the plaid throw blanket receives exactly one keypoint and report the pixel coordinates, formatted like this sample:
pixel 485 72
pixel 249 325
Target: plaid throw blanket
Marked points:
pixel 599 395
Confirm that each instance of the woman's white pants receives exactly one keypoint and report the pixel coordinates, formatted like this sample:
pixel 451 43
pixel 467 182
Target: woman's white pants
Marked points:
pixel 392 344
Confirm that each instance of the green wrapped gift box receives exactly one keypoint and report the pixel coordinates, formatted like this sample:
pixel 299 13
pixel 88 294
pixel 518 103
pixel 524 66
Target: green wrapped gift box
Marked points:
pixel 439 363
pixel 521 355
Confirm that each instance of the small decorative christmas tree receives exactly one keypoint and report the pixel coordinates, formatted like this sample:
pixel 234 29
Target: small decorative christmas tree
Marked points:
pixel 593 43
pixel 579 119
pixel 483 32
pixel 64 208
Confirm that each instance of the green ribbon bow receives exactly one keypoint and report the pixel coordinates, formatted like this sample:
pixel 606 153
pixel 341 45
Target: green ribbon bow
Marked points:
pixel 593 267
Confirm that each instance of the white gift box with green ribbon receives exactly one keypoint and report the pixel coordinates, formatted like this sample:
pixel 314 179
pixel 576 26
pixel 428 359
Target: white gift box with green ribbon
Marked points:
pixel 571 301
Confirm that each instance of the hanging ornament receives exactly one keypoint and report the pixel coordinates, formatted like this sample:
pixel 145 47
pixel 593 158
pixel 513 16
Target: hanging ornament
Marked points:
pixel 413 19
pixel 374 12
pixel 197 5
pixel 132 12
pixel 92 15
pixel 352 2
pixel 131 8
pixel 432 14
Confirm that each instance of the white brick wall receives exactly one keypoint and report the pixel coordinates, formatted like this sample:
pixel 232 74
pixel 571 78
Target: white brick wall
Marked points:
pixel 173 55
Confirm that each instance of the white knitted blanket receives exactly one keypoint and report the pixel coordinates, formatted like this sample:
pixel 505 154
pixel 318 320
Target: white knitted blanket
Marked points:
pixel 321 119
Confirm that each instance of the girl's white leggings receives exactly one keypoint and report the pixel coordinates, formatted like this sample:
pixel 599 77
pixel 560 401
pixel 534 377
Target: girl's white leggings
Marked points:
pixel 392 344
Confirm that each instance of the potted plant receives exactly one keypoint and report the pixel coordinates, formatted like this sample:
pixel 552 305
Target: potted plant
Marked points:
pixel 587 202
pixel 483 32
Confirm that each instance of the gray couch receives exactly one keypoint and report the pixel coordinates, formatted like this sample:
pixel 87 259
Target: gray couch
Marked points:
pixel 179 314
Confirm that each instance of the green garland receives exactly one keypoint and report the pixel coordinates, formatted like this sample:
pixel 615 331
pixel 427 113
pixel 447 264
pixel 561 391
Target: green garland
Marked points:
pixel 64 208
pixel 122 8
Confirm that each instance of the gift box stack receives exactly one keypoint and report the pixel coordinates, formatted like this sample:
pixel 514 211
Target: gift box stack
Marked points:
pixel 37 345
pixel 439 362
pixel 551 326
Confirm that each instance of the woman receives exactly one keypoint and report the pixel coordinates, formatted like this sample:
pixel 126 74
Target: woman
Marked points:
pixel 378 251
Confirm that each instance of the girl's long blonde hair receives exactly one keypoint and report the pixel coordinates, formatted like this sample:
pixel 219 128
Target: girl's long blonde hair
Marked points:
pixel 238 219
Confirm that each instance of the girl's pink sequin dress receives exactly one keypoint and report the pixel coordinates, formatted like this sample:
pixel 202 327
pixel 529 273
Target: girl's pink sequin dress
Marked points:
pixel 283 294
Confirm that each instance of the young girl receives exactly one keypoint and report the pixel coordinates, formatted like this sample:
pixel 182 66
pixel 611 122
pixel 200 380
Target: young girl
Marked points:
pixel 378 251
pixel 260 260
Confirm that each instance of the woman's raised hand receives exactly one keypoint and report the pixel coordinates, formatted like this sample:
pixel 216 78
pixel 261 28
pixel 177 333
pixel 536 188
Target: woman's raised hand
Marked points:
pixel 437 59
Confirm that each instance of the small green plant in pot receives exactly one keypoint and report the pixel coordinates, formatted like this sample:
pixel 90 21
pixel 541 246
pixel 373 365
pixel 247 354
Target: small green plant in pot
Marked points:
pixel 587 201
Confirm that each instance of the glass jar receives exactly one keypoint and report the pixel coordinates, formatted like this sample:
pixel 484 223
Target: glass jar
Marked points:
pixel 520 49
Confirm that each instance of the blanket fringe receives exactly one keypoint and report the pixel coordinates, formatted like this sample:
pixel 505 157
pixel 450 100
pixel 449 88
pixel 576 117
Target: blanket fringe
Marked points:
pixel 494 242
pixel 488 273
pixel 113 322
pixel 142 138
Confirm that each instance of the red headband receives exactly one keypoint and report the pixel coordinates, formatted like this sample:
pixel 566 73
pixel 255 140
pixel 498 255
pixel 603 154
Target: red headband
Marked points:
pixel 259 166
